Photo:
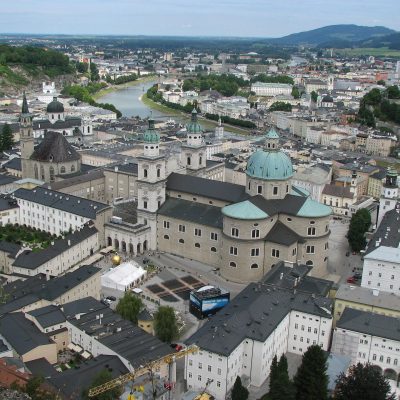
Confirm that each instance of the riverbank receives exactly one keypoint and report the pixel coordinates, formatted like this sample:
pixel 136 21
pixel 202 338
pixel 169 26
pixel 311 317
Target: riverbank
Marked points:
pixel 207 123
pixel 115 88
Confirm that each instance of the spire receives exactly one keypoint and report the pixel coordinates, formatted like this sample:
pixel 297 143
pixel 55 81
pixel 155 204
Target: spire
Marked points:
pixel 25 109
pixel 194 115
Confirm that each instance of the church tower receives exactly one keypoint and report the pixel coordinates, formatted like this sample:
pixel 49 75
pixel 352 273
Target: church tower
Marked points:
pixel 194 150
pixel 26 139
pixel 389 195
pixel 151 181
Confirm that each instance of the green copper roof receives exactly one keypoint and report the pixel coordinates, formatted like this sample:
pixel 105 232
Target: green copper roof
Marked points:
pixel 272 134
pixel 244 210
pixel 312 208
pixel 273 165
pixel 151 135
pixel 193 126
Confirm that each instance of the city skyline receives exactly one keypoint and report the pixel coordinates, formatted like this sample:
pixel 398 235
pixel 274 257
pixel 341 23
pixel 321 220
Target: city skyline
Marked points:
pixel 178 18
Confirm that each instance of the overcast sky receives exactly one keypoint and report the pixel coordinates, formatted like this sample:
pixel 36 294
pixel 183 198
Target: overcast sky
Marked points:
pixel 264 18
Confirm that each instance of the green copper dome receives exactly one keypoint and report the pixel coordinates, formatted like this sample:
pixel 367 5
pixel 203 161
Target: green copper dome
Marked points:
pixel 269 165
pixel 193 126
pixel 55 106
pixel 151 135
pixel 272 134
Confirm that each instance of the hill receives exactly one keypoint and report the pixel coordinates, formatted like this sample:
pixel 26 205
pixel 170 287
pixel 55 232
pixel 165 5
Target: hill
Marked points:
pixel 345 34
pixel 29 66
pixel 391 41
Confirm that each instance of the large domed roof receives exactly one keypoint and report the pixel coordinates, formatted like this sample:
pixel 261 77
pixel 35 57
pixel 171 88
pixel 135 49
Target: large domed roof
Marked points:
pixel 274 165
pixel 55 106
pixel 193 126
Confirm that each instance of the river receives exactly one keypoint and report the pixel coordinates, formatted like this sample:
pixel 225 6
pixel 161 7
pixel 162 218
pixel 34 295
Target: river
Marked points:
pixel 128 101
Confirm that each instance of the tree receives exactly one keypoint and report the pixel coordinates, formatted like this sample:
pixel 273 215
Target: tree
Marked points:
pixel 239 392
pixel 103 377
pixel 314 96
pixel 359 225
pixel 129 306
pixel 6 138
pixel 94 72
pixel 280 106
pixel 311 380
pixel 280 386
pixel 295 92
pixel 393 92
pixel 363 382
pixel 165 324
pixel 381 82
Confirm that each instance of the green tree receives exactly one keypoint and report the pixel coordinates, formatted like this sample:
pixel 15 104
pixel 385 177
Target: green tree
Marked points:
pixel 381 82
pixel 280 386
pixel 165 324
pixel 280 106
pixel 239 392
pixel 129 306
pixel 393 92
pixel 363 382
pixel 101 378
pixel 94 72
pixel 314 96
pixel 82 67
pixel 295 92
pixel 311 380
pixel 359 225
pixel 37 391
pixel 7 138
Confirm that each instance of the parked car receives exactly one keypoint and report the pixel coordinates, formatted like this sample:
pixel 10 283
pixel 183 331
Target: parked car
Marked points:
pixel 105 302
pixel 111 298
pixel 351 279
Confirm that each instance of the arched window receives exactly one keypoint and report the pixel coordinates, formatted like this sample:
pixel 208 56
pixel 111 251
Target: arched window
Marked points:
pixel 36 171
pixel 181 241
pixel 232 264
pixel 200 160
pixel 235 232
pixel 213 249
pixel 51 170
pixel 310 263
pixel 72 168
pixel 189 161
pixel 166 237
pixel 42 173
pixel 197 245
pixel 254 266
pixel 158 172
pixel 145 173
pixel 62 170
pixel 255 233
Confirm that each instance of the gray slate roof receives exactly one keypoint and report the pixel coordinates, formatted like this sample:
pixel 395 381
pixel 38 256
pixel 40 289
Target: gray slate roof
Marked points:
pixel 338 191
pixel 48 316
pixel 54 147
pixel 61 201
pixel 22 334
pixel 41 367
pixel 76 180
pixel 224 191
pixel 281 234
pixel 7 179
pixel 32 260
pixel 11 248
pixel 185 210
pixel 254 314
pixel 370 323
pixel 14 163
pixel 69 123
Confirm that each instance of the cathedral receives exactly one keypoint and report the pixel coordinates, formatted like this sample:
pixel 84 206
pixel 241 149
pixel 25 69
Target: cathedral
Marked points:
pixel 53 157
pixel 242 231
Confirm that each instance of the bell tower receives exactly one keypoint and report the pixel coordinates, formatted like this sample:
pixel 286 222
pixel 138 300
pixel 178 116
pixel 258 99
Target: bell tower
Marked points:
pixel 194 150
pixel 26 139
pixel 389 194
pixel 151 181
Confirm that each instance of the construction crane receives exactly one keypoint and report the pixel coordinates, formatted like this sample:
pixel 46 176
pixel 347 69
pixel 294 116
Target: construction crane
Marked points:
pixel 148 368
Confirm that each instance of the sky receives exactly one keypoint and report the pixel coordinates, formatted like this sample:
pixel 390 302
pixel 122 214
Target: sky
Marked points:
pixel 254 18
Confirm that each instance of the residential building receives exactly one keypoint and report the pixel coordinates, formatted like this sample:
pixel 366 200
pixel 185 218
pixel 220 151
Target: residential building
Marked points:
pixel 271 89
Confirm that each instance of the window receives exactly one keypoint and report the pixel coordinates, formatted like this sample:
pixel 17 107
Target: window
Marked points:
pixel 294 251
pixel 199 378
pixel 145 173
pixel 219 371
pixel 213 249
pixel 166 224
pixel 275 190
pixel 158 172
pixel 197 245
pixel 214 236
pixel 233 251
pixel 275 253
pixel 311 231
pixel 189 161
pixel 182 228
pixel 259 189
pixel 145 204
pixel 235 232
pixel 209 368
pixel 181 241
pixel 254 266
pixel 310 249
pixel 255 233
pixel 166 237
pixel 200 365
pixel 218 384
pixel 197 232
pixel 255 252
pixel 232 264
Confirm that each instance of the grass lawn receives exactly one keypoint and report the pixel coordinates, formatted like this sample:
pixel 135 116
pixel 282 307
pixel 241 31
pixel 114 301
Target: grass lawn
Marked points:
pixel 360 51
pixel 21 234
pixel 386 164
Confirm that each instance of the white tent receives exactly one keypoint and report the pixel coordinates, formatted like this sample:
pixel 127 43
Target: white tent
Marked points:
pixel 123 277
